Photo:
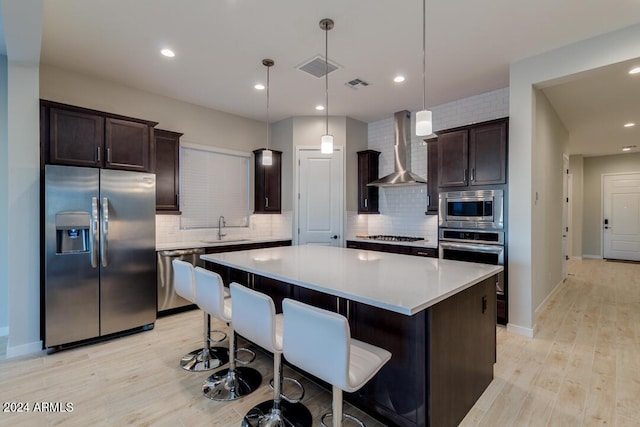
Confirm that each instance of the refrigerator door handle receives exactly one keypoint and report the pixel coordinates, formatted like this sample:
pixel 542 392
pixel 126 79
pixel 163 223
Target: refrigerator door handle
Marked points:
pixel 104 241
pixel 94 232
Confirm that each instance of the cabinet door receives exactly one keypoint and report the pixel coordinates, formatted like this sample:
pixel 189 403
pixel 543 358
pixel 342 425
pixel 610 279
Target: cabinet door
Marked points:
pixel 167 171
pixel 432 177
pixel 367 172
pixel 488 154
pixel 452 159
pixel 75 138
pixel 127 145
pixel 268 184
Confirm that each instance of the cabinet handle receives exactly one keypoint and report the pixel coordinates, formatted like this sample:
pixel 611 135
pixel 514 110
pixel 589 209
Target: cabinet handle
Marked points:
pixel 428 200
pixel 473 174
pixel 98 154
pixel 484 303
pixel 423 253
pixel 366 203
pixel 266 202
pixel 465 175
pixel 109 155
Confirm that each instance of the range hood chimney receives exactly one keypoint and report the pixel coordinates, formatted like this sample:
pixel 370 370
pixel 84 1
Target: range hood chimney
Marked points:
pixel 402 174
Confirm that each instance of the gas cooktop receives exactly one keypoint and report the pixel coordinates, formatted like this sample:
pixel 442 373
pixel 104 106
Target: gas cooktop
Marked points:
pixel 388 238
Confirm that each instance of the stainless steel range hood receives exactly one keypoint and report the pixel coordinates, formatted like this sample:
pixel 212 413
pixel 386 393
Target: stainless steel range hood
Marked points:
pixel 402 174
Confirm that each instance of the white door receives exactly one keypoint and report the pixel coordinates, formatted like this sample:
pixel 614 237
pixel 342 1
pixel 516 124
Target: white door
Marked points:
pixel 320 185
pixel 621 216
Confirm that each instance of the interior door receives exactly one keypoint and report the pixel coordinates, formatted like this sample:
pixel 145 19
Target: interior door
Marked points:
pixel 621 216
pixel 320 182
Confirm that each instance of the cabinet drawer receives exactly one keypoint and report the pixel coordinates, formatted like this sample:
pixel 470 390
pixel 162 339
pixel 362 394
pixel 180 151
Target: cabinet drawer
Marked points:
pixel 426 252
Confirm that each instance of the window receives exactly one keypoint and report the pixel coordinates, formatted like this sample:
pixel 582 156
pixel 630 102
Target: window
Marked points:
pixel 213 183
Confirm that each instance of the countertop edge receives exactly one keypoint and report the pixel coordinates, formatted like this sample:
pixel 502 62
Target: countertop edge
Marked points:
pixel 200 244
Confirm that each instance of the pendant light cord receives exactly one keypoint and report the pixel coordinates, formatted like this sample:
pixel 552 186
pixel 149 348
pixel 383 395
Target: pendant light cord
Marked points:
pixel 268 128
pixel 326 76
pixel 424 54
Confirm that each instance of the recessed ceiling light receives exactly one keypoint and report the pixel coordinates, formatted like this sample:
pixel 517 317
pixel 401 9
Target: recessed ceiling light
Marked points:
pixel 629 125
pixel 398 79
pixel 168 53
pixel 259 86
pixel 320 107
pixel 635 70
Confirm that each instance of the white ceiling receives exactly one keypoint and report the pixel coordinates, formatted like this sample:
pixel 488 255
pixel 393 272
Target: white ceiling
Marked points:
pixel 220 44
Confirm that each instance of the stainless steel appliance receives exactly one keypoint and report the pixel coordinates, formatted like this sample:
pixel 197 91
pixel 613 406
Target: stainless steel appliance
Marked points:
pixel 167 297
pixel 483 246
pixel 99 250
pixel 389 238
pixel 472 209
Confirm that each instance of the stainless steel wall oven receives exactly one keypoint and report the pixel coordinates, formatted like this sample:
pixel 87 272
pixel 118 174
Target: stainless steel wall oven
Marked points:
pixel 472 209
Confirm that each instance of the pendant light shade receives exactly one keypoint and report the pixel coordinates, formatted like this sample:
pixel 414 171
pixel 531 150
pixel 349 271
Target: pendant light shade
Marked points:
pixel 424 123
pixel 424 120
pixel 267 155
pixel 326 142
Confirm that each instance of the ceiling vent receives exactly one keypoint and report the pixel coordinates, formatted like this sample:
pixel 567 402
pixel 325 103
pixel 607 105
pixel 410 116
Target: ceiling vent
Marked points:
pixel 316 66
pixel 356 83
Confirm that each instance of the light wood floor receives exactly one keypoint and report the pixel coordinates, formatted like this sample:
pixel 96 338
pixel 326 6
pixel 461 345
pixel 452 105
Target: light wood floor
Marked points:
pixel 582 368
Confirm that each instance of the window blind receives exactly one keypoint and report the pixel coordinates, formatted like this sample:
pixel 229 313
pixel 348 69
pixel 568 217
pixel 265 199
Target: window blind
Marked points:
pixel 213 184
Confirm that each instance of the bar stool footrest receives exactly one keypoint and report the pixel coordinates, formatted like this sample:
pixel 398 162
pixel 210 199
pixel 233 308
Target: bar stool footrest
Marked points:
pixel 296 383
pixel 251 353
pixel 217 331
pixel 344 416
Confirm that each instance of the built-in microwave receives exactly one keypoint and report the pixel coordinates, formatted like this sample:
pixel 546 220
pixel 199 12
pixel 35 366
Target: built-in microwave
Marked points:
pixel 472 209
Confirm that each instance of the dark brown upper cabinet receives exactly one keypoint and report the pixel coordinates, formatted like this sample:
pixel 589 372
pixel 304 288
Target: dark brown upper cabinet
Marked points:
pixel 268 184
pixel 78 136
pixel 432 178
pixel 75 138
pixel 473 155
pixel 367 172
pixel 167 155
pixel 127 145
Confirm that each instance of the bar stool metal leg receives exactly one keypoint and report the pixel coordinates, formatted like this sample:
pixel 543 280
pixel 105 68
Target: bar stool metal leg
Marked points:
pixel 206 358
pixel 234 382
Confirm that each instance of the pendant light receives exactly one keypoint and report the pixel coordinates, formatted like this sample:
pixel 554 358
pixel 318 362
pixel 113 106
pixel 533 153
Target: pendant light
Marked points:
pixel 267 155
pixel 424 121
pixel 326 142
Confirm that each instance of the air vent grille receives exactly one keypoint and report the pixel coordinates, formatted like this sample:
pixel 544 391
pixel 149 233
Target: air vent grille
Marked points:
pixel 317 67
pixel 356 83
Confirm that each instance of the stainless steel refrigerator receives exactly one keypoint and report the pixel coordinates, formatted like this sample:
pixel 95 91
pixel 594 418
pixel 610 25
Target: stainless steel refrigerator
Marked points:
pixel 100 266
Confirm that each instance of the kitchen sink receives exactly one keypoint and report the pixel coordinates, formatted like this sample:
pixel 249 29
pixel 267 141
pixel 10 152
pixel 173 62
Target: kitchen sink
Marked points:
pixel 223 241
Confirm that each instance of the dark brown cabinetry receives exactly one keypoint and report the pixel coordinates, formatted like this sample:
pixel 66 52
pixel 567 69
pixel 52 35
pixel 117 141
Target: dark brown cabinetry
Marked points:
pixel 395 249
pixel 78 136
pixel 432 178
pixel 367 172
pixel 473 155
pixel 268 184
pixel 167 146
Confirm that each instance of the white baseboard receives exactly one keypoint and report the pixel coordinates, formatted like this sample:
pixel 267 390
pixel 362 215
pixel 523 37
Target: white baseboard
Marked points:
pixel 521 330
pixel 24 349
pixel 591 256
pixel 4 331
pixel 577 258
pixel 548 297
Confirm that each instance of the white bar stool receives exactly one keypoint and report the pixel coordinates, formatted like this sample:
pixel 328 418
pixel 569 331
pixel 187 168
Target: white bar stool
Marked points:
pixel 207 357
pixel 234 382
pixel 319 342
pixel 255 318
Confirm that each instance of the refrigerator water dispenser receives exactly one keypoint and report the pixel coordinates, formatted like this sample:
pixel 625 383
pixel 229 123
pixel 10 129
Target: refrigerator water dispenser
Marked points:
pixel 72 232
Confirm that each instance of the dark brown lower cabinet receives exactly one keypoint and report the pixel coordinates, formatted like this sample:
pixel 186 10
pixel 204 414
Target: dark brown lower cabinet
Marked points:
pixel 442 357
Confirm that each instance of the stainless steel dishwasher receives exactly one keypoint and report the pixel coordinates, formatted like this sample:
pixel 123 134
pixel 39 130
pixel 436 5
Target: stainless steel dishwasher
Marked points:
pixel 167 297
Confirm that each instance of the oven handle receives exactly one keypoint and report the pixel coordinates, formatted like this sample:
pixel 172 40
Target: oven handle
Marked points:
pixel 492 249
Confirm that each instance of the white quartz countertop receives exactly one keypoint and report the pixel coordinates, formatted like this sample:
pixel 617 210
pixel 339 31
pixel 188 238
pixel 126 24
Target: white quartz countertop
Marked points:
pixel 207 243
pixel 394 282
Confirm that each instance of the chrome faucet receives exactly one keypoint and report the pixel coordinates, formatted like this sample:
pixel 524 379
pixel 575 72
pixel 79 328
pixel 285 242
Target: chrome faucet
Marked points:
pixel 221 223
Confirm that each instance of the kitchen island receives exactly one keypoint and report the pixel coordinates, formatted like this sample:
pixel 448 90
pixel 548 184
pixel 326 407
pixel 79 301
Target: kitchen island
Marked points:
pixel 437 317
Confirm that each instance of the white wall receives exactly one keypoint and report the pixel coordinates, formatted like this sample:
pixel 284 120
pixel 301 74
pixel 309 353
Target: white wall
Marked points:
pixel 594 168
pixel 576 169
pixel 551 141
pixel 200 125
pixel 596 52
pixel 4 197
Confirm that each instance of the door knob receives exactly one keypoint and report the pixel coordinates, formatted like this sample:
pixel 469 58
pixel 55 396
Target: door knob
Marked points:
pixel 334 237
